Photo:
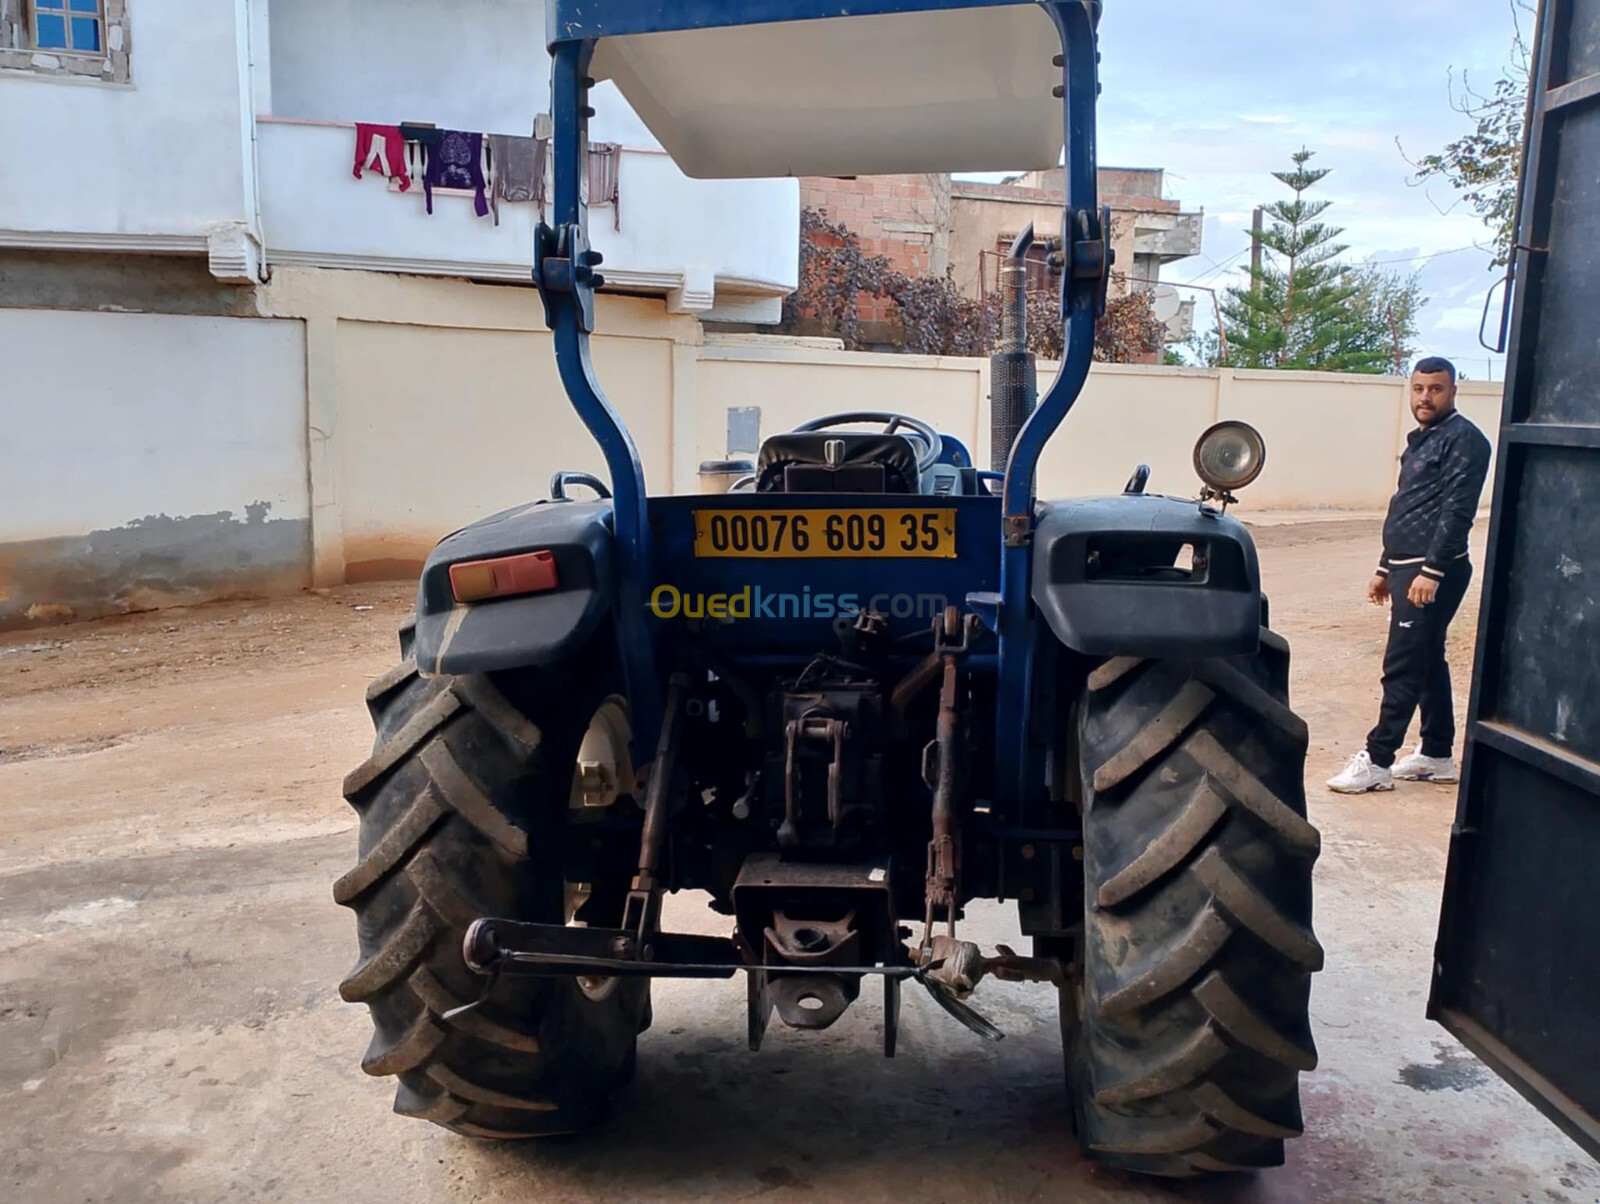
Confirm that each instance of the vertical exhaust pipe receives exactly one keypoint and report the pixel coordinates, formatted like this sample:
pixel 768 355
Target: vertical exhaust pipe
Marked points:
pixel 1013 373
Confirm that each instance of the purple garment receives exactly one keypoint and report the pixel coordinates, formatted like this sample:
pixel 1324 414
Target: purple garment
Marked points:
pixel 457 162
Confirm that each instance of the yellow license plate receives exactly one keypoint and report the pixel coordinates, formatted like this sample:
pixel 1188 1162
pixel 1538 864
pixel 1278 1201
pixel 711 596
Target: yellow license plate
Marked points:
pixel 825 534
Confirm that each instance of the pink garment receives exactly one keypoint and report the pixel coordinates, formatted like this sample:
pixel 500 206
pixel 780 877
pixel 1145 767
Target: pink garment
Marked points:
pixel 382 147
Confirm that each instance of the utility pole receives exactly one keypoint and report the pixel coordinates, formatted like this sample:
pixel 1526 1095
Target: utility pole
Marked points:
pixel 1222 330
pixel 939 252
pixel 1256 229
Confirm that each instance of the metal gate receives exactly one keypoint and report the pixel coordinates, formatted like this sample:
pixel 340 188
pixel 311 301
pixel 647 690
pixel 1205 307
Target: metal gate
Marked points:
pixel 1517 965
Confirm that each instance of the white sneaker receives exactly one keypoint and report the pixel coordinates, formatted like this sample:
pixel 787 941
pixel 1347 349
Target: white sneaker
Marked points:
pixel 1418 768
pixel 1361 776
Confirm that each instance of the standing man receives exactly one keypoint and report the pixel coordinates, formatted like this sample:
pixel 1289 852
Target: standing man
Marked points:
pixel 1424 574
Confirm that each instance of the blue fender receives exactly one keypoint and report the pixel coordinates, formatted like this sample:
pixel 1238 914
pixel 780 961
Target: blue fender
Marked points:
pixel 533 629
pixel 1105 580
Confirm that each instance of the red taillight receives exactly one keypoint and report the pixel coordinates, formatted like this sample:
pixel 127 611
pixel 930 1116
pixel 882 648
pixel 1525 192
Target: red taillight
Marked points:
pixel 503 577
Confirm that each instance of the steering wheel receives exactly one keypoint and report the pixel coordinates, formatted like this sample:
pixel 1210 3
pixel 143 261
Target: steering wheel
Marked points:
pixel 931 446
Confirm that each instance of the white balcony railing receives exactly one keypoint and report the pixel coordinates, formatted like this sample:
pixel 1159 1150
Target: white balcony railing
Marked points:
pixel 728 244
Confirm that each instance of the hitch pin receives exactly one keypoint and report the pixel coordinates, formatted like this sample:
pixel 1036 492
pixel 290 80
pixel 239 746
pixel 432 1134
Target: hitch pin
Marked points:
pixel 480 941
pixel 483 995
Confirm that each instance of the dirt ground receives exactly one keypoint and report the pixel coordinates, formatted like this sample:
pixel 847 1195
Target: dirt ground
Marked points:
pixel 170 826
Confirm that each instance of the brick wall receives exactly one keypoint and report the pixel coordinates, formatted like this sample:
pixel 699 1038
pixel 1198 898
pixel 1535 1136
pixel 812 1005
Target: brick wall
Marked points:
pixel 892 215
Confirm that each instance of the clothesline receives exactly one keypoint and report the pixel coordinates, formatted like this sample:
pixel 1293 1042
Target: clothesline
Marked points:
pixel 490 167
pixel 271 119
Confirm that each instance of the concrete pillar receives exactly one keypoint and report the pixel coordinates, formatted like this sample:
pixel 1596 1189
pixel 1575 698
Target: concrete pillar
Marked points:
pixel 1404 421
pixel 685 425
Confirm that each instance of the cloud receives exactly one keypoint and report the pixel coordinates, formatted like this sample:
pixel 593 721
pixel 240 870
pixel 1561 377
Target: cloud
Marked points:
pixel 1221 97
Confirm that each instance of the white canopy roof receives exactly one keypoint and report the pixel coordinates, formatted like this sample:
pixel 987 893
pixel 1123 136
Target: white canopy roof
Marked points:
pixel 953 90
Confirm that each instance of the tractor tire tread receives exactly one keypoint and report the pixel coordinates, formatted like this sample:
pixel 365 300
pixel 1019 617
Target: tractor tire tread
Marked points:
pixel 393 959
pixel 522 737
pixel 469 801
pixel 386 683
pixel 446 839
pixel 441 1108
pixel 1248 791
pixel 1170 965
pixel 1168 850
pixel 1154 737
pixel 437 1000
pixel 1247 1027
pixel 1253 910
pixel 392 850
pixel 394 750
pixel 410 1051
pixel 1190 1024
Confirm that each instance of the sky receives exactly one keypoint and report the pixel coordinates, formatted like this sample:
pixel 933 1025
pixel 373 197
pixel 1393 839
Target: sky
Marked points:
pixel 1220 94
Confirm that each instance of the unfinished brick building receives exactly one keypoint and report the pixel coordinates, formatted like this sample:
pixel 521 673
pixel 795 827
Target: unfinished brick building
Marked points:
pixel 930 224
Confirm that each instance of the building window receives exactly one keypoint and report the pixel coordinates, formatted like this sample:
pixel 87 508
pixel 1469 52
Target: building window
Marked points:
pixel 70 25
pixel 86 39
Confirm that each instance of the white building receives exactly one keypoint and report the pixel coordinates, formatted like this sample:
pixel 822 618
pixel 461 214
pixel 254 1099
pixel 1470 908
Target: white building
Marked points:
pixel 204 316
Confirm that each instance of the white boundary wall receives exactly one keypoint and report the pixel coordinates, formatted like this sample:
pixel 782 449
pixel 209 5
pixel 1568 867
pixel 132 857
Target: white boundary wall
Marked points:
pixel 1333 441
pixel 148 460
pixel 390 410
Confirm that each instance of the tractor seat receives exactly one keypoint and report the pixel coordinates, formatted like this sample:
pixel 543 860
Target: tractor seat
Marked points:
pixel 797 462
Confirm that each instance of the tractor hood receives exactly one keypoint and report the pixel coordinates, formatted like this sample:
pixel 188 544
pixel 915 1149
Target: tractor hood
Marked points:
pixel 941 89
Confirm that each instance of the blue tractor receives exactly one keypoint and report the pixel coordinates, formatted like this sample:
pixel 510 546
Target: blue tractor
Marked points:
pixel 865 686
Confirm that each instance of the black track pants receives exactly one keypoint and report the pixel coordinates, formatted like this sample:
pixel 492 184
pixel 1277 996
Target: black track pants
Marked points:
pixel 1414 667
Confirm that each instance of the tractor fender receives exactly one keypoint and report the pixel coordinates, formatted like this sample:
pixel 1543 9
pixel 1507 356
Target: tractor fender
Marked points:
pixel 532 629
pixel 1104 578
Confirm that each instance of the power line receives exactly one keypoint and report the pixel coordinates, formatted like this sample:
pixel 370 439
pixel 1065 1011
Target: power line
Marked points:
pixel 1218 267
pixel 1378 263
pixel 1368 263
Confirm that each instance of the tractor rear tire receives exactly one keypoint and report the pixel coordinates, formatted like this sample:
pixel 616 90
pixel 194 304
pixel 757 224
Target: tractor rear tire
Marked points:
pixel 462 806
pixel 1189 1025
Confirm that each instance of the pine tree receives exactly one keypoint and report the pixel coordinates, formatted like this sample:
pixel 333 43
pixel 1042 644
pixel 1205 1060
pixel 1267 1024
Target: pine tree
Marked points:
pixel 1303 309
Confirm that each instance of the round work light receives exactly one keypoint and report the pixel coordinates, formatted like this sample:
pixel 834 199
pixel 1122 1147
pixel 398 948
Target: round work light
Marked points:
pixel 1230 455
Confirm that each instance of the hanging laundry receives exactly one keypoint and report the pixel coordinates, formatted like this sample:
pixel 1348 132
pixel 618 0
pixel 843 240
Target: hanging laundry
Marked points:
pixel 604 174
pixel 419 139
pixel 423 135
pixel 457 162
pixel 518 170
pixel 382 147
